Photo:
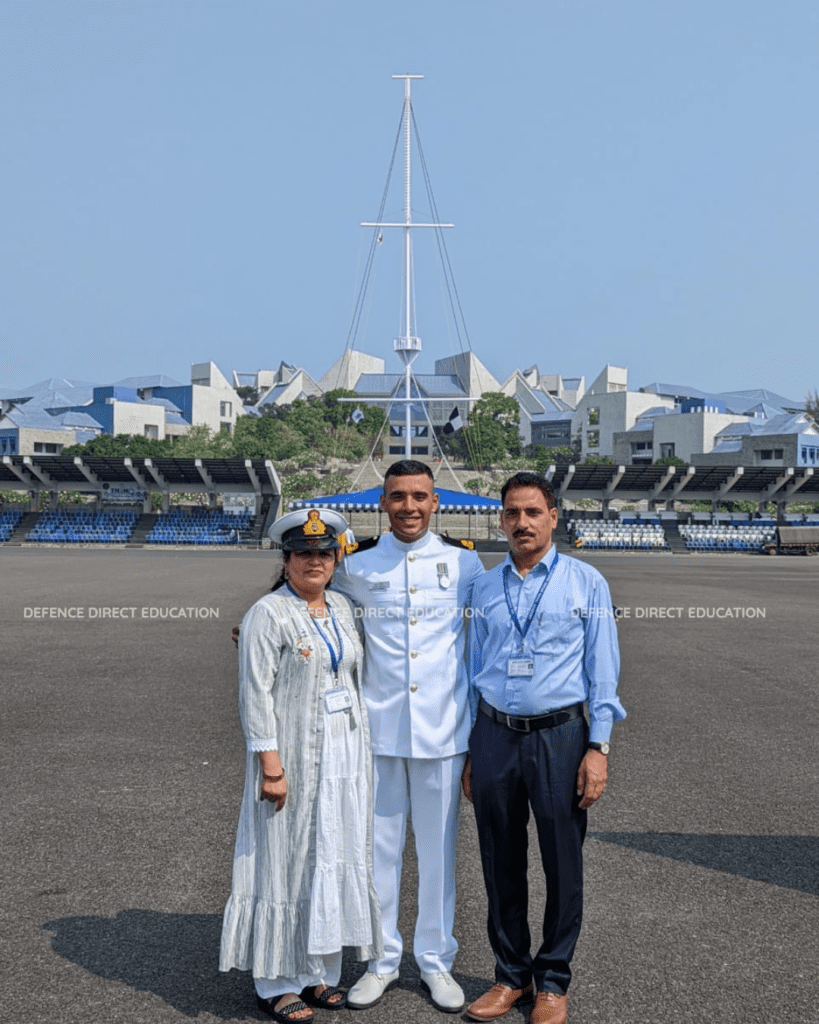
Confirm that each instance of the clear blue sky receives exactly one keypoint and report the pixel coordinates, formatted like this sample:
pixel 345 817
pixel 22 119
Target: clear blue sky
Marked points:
pixel 631 181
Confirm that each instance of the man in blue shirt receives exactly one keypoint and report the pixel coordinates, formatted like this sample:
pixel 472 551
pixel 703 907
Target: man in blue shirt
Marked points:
pixel 543 642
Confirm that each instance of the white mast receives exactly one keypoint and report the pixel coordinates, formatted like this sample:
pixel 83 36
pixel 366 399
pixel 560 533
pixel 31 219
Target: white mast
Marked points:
pixel 408 347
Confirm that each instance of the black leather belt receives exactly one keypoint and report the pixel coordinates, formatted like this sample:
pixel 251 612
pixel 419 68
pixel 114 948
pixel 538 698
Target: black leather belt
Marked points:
pixel 530 724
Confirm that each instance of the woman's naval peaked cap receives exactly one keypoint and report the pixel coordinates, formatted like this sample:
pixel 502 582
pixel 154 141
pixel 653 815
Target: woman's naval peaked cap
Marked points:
pixel 309 528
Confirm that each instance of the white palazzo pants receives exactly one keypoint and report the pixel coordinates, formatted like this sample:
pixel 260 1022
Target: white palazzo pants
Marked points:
pixel 268 988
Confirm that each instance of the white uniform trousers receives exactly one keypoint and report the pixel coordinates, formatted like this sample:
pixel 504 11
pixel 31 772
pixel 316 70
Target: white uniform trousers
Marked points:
pixel 429 789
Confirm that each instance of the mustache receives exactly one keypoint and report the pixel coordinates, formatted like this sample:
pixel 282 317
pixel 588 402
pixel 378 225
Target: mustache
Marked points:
pixel 522 533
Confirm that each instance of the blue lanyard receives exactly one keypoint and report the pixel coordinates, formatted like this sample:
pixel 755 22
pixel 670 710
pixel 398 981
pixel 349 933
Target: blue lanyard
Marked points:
pixel 335 659
pixel 523 630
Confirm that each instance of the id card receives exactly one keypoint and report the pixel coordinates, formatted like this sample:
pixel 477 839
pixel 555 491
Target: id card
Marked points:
pixel 521 667
pixel 337 700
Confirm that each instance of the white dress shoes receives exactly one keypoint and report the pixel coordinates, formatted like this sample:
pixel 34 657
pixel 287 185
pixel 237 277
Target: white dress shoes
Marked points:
pixel 370 989
pixel 446 993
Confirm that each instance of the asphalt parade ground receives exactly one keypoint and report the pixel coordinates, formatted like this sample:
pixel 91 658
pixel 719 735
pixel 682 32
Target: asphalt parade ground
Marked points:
pixel 122 768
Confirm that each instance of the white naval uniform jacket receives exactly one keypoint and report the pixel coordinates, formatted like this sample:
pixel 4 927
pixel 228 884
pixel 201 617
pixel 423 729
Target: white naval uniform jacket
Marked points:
pixel 415 602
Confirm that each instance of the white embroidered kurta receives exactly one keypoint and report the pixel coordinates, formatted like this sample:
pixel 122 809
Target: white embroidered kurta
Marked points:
pixel 302 876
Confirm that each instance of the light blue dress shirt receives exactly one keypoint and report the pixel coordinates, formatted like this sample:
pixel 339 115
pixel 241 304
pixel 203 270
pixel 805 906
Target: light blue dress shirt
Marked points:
pixel 572 641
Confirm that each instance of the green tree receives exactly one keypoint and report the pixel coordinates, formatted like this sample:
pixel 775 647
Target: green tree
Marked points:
pixel 670 460
pixel 300 485
pixel 337 412
pixel 346 442
pixel 499 407
pixel 335 483
pixel 307 417
pixel 326 429
pixel 482 443
pixel 543 457
pixel 374 420
pixel 504 410
pixel 266 437
pixel 493 431
pixel 741 506
pixel 71 498
pixel 121 446
pixel 201 442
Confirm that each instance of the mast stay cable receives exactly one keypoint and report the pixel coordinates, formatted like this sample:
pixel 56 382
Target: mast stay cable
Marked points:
pixel 359 305
pixel 475 449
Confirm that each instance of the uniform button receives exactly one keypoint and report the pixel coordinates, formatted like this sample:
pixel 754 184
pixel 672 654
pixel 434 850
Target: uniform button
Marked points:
pixel 413 654
pixel 413 622
pixel 410 558
pixel 413 687
pixel 412 589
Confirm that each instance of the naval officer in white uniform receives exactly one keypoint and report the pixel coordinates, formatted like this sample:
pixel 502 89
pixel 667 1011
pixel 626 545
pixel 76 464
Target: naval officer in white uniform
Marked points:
pixel 414 589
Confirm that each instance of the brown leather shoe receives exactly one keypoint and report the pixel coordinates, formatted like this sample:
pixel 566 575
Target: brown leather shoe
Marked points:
pixel 550 1008
pixel 496 1002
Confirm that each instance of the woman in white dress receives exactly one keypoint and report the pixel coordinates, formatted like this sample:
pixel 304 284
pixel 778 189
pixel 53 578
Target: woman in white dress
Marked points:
pixel 302 868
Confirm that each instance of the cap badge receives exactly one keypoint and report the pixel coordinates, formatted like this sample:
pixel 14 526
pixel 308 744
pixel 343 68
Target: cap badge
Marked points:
pixel 314 527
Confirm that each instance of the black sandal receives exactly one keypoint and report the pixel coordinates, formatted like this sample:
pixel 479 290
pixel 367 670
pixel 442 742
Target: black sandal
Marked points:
pixel 285 1014
pixel 323 1001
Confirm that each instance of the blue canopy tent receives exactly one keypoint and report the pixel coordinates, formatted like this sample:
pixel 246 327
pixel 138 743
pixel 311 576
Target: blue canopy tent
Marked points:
pixel 368 501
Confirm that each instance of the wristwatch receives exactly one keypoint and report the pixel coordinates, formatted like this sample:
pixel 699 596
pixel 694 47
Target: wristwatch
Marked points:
pixel 602 747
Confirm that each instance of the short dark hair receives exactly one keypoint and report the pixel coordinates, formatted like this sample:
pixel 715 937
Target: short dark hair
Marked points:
pixel 408 467
pixel 525 478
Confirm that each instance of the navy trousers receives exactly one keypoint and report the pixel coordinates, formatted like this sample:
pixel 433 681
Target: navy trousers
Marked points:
pixel 511 772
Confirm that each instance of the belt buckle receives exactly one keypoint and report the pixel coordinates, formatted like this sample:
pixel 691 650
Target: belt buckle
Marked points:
pixel 518 728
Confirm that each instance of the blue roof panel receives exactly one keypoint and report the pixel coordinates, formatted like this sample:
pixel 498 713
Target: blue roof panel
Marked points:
pixel 735 401
pixel 156 380
pixel 166 402
pixel 377 383
pixel 440 384
pixel 553 417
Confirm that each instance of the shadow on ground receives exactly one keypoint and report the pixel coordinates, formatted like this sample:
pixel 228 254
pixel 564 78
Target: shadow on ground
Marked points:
pixel 788 861
pixel 175 957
